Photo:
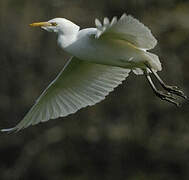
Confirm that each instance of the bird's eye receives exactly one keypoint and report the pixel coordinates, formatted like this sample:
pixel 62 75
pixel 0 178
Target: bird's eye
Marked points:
pixel 54 24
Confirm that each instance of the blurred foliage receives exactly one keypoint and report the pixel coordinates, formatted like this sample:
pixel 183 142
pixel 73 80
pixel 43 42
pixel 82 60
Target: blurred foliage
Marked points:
pixel 131 135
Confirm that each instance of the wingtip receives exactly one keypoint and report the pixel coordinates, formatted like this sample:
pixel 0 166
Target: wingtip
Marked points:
pixel 106 21
pixel 8 130
pixel 98 23
pixel 114 21
pixel 123 16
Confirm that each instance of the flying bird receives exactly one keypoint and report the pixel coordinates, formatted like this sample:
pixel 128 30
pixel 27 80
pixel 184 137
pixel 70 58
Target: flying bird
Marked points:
pixel 102 58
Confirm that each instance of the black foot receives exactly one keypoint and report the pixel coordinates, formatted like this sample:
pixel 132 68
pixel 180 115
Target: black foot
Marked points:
pixel 175 90
pixel 166 96
pixel 171 90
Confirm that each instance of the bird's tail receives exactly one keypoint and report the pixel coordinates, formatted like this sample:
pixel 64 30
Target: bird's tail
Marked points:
pixel 153 61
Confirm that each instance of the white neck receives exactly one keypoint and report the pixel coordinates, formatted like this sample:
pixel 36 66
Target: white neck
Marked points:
pixel 68 34
pixel 66 40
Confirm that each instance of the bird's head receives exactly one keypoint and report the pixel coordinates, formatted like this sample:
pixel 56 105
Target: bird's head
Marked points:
pixel 57 25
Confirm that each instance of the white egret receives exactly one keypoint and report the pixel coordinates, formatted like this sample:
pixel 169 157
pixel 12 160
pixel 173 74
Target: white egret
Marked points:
pixel 102 59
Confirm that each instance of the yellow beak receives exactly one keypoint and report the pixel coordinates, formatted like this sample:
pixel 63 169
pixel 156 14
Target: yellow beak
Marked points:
pixel 40 24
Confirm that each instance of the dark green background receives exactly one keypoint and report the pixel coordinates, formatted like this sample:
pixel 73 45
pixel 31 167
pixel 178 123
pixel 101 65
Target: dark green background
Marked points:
pixel 131 135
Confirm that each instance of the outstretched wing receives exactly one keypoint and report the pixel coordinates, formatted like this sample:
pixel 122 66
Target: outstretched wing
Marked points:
pixel 78 85
pixel 126 28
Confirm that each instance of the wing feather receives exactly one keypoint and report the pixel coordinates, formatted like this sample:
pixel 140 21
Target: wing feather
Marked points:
pixel 126 28
pixel 78 85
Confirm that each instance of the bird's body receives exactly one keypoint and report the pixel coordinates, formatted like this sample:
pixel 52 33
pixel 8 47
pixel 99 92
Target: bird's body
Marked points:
pixel 110 50
pixel 102 59
pixel 106 51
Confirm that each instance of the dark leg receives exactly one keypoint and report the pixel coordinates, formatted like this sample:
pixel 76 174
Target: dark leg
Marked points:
pixel 163 95
pixel 172 89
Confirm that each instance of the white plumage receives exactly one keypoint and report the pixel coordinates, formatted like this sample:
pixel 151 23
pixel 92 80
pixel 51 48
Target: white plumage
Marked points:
pixel 78 85
pixel 102 59
pixel 129 29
